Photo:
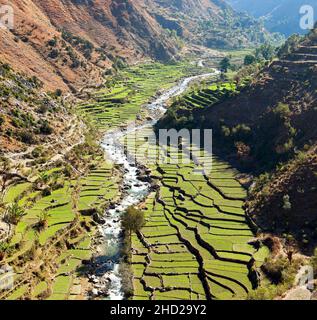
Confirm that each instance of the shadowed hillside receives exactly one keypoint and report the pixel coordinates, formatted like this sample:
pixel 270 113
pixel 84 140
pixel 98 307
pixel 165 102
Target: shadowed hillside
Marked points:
pixel 267 124
pixel 278 15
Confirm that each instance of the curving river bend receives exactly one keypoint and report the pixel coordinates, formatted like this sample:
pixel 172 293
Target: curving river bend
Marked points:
pixel 136 190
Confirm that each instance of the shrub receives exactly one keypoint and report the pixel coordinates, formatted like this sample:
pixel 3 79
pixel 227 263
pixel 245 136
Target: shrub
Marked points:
pixel 75 63
pixel 225 64
pixel 249 59
pixel 4 246
pixel 45 128
pixel 53 54
pixel 289 46
pixel 37 152
pixel 226 131
pixel 42 109
pixel 274 268
pixel 5 68
pixel 266 51
pixel 119 64
pixel 282 110
pixel 262 293
pixel 286 202
pixel 2 120
pixel 43 178
pixel 241 132
pixel 14 213
pixel 26 137
pixel 58 93
pixel 42 220
pixel 52 42
pixel 262 181
pixel 68 170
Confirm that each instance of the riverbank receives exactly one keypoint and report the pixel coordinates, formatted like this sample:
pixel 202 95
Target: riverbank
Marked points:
pixel 110 255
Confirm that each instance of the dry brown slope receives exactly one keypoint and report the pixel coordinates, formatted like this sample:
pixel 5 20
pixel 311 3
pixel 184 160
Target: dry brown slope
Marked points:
pixel 115 29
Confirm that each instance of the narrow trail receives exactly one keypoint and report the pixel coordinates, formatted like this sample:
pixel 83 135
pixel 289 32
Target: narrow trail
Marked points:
pixel 136 190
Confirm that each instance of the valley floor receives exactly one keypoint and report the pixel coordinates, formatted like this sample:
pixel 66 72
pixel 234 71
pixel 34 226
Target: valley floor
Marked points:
pixel 195 244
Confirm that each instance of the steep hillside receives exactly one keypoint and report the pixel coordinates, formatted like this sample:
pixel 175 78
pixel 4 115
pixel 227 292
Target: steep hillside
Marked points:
pixel 279 108
pixel 286 202
pixel 31 120
pixel 97 32
pixel 68 44
pixel 273 115
pixel 211 23
pixel 267 124
pixel 35 47
pixel 278 15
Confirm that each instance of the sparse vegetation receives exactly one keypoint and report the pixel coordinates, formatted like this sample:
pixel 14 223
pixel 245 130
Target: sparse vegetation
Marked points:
pixel 14 213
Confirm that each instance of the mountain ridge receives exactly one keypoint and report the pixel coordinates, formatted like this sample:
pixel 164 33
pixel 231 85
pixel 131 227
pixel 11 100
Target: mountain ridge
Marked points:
pixel 278 15
pixel 69 44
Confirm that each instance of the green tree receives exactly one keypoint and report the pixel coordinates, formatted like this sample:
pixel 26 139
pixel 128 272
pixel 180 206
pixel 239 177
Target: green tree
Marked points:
pixel 225 64
pixel 266 51
pixel 133 220
pixel 249 59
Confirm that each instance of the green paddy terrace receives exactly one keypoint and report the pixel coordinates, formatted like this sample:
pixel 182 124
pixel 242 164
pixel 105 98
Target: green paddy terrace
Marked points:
pixel 132 88
pixel 197 242
pixel 47 260
pixel 181 113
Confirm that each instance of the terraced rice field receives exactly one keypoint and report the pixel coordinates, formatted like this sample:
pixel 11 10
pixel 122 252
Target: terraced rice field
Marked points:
pixel 112 108
pixel 195 244
pixel 67 218
pixel 206 96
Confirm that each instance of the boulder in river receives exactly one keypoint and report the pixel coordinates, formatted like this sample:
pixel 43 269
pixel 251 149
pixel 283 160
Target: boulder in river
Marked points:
pixel 144 178
pixel 98 219
pixel 94 292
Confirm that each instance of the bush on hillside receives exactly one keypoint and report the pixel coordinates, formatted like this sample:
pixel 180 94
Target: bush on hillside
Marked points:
pixel 45 128
pixel 249 59
pixel 54 53
pixel 14 213
pixel 2 119
pixel 26 136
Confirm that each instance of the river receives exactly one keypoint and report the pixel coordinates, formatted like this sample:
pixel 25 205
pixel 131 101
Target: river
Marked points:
pixel 136 190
